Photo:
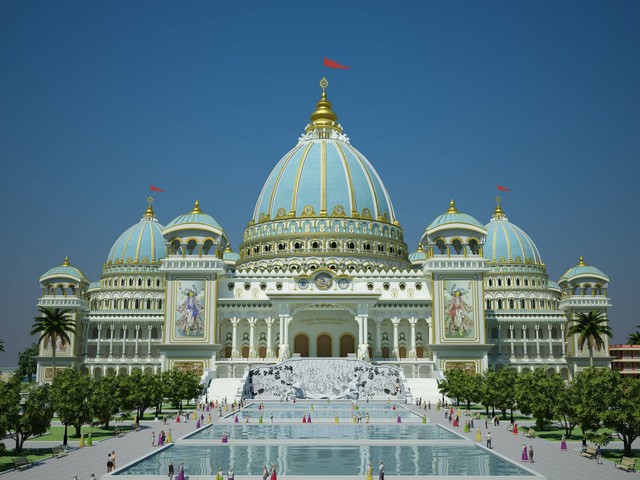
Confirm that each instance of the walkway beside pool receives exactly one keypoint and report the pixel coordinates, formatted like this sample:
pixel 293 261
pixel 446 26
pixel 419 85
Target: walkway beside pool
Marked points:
pixel 550 461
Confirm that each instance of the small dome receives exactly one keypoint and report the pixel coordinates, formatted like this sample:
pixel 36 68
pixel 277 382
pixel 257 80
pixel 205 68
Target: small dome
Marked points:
pixel 140 243
pixel 582 270
pixel 452 218
pixel 194 220
pixel 93 286
pixel 65 271
pixel 418 256
pixel 551 285
pixel 230 256
pixel 508 243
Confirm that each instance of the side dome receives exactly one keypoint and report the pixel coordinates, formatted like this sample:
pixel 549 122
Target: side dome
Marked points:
pixel 453 217
pixel 140 243
pixel 323 205
pixel 508 243
pixel 583 271
pixel 64 271
pixel 195 233
pixel 454 232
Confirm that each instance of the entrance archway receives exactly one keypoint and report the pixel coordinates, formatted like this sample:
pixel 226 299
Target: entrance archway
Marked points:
pixel 301 345
pixel 347 344
pixel 324 346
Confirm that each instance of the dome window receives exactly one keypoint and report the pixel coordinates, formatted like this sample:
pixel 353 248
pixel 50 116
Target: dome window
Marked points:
pixel 488 305
pixel 385 286
pixel 491 282
pixel 369 286
pixel 139 282
pixel 267 248
pixel 247 286
pixel 256 249
pixel 278 286
pixel 457 246
pixel 367 246
pixel 441 246
pixel 533 303
pixel 122 282
pixel 391 250
pixel 522 303
pixel 315 244
pixel 148 304
pixel 499 304
pixel 131 282
pixel 402 286
pixel 511 303
pixel 297 246
pixel 263 286
pixel 191 246
pixel 207 247
pixel 157 282
pixel 517 282
pixel 281 246
pixel 136 304
pixel 380 248
pixel 351 245
pixel 499 282
pixel 351 268
pixel 230 286
pixel 175 247
pixel 526 282
pixel 418 286
pixel 160 304
pixel 125 304
pixel 473 246
pixel 332 267
pixel 333 245
pixel 508 282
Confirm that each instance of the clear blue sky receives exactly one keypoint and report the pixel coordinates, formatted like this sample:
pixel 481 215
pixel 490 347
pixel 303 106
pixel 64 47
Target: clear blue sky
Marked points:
pixel 99 100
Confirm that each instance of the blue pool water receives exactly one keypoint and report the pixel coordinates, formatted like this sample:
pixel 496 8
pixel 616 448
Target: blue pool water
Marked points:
pixel 344 411
pixel 329 460
pixel 267 431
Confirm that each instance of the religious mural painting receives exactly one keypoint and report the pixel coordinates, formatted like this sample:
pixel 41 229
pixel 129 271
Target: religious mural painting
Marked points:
pixel 458 309
pixel 190 309
pixel 465 366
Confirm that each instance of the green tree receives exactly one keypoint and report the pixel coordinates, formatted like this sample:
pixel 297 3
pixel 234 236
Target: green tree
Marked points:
pixel 24 415
pixel 178 385
pixel 593 389
pixel 488 390
pixel 634 338
pixel 505 390
pixel 53 324
pixel 71 393
pixel 591 329
pixel 27 364
pixel 104 399
pixel 537 394
pixel 139 391
pixel 1 345
pixel 566 408
pixel 623 412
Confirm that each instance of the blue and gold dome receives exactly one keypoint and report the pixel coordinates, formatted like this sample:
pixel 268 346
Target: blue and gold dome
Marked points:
pixel 140 243
pixel 65 271
pixel 583 271
pixel 508 243
pixel 196 219
pixel 452 218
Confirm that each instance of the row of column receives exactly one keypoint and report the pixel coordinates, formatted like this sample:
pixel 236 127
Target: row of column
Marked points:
pixel 512 339
pixel 284 348
pixel 125 329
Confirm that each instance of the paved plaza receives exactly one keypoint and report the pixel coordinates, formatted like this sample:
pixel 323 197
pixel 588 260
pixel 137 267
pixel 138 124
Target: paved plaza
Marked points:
pixel 550 461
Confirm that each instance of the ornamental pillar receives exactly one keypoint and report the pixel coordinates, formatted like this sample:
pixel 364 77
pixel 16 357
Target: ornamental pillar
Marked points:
pixel 99 339
pixel 363 344
pixel 396 350
pixel 112 329
pixel 269 321
pixel 562 338
pixel 234 337
pixel 284 336
pixel 252 348
pixel 550 328
pixel 412 324
pixel 537 327
pixel 149 328
pixel 137 340
pixel 124 341
pixel 512 341
pixel 499 341
pixel 378 343
pixel 524 340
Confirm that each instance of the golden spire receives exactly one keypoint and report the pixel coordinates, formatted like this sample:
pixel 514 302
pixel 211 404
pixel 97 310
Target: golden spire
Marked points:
pixel 419 247
pixel 452 207
pixel 498 213
pixel 227 249
pixel 196 207
pixel 324 116
pixel 67 264
pixel 581 262
pixel 149 213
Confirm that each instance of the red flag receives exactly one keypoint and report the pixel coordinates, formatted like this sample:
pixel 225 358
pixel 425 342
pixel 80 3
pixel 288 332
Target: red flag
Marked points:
pixel 155 189
pixel 503 189
pixel 332 64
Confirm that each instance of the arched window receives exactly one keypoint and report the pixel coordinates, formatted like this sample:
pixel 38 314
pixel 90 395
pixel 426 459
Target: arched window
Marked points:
pixel 441 246
pixel 333 245
pixel 522 303
pixel 206 248
pixel 191 246
pixel 148 304
pixel 511 303
pixel 499 304
pixel 473 246
pixel 351 245
pixel 488 304
pixel 457 246
pixel 491 282
pixel 136 304
pixel 175 247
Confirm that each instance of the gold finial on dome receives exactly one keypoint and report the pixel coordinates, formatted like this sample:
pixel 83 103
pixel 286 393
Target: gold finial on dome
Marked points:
pixel 324 116
pixel 498 213
pixel 227 249
pixel 581 262
pixel 149 213
pixel 67 264
pixel 419 247
pixel 452 207
pixel 196 207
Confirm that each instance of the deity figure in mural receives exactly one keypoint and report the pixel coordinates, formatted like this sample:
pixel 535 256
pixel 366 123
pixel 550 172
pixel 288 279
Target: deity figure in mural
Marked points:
pixel 190 310
pixel 458 321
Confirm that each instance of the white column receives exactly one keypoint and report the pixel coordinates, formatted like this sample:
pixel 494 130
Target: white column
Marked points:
pixel 234 337
pixel 499 341
pixel 99 339
pixel 512 340
pixel 284 336
pixel 149 328
pixel 562 338
pixel 84 351
pixel 396 351
pixel 137 340
pixel 524 340
pixel 363 333
pixel 549 328
pixel 269 321
pixel 537 341
pixel 412 324
pixel 378 343
pixel 111 342
pixel 124 341
pixel 252 347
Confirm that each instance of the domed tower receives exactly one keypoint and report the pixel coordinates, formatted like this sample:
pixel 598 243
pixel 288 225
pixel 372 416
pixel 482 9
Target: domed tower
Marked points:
pixel 63 287
pixel 196 244
pixel 584 290
pixel 323 205
pixel 453 242
pixel 521 303
pixel 127 304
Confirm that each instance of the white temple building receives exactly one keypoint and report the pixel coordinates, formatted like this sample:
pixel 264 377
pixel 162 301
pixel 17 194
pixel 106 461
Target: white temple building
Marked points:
pixel 323 271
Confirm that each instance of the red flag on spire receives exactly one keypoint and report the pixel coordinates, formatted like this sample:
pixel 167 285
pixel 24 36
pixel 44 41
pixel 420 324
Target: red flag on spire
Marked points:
pixel 155 189
pixel 503 189
pixel 332 64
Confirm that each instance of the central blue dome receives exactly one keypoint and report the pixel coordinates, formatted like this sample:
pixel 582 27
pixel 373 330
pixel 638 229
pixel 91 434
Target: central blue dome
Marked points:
pixel 324 177
pixel 508 243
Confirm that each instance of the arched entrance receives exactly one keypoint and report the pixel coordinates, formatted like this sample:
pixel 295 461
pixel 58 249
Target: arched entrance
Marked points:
pixel 301 345
pixel 324 346
pixel 347 344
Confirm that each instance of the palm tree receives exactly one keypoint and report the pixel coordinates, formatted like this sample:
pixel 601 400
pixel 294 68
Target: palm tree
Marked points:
pixel 1 345
pixel 591 328
pixel 634 338
pixel 53 324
